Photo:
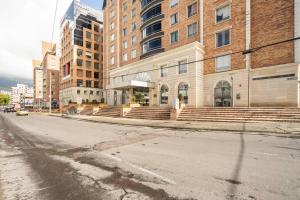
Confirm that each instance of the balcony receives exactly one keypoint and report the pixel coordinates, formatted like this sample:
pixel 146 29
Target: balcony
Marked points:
pixel 152 47
pixel 147 4
pixel 151 13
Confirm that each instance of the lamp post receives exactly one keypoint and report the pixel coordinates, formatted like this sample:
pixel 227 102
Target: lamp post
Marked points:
pixel 50 96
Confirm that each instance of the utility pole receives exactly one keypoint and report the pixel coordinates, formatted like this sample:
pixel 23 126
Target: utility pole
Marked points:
pixel 50 96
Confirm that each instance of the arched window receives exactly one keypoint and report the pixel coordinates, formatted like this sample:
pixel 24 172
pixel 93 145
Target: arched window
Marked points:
pixel 164 94
pixel 223 96
pixel 183 93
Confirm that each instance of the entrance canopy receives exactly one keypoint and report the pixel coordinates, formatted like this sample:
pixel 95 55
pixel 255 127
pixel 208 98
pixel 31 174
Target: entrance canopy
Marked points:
pixel 131 84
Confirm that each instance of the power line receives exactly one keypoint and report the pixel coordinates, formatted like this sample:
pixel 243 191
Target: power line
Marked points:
pixel 53 27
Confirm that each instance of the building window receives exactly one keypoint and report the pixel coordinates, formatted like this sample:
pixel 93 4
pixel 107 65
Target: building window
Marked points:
pixel 192 29
pixel 125 44
pixel 151 29
pixel 96 28
pixel 163 71
pixel 79 62
pixel 88 54
pixel 78 91
pixel 133 40
pixel 124 32
pixel 112 26
pixel 96 38
pixel 164 94
pixel 88 45
pixel 183 93
pixel 112 48
pixel 112 60
pixel 173 3
pixel 96 65
pixel 88 83
pixel 223 38
pixel 182 67
pixel 96 56
pixel 223 63
pixel 151 13
pixel 152 45
pixel 174 18
pixel 133 53
pixel 79 52
pixel 112 37
pixel 133 12
pixel 174 37
pixel 88 35
pixel 192 10
pixel 88 74
pixel 125 19
pixel 88 64
pixel 133 26
pixel 133 1
pixel 124 7
pixel 125 57
pixel 223 13
pixel 79 83
pixel 96 74
pixel 79 72
pixel 96 47
pixel 91 92
pixel 112 13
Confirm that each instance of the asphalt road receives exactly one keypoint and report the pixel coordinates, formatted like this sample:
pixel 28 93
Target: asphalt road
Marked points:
pixel 51 158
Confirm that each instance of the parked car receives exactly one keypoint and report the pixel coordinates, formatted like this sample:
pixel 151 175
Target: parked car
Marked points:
pixel 9 110
pixel 22 112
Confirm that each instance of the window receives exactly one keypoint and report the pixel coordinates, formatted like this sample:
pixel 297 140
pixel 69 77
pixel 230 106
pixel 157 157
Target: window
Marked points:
pixel 133 12
pixel 183 93
pixel 164 94
pixel 151 13
pixel 78 91
pixel 79 52
pixel 133 26
pixel 79 62
pixel 125 19
pixel 79 72
pixel 223 13
pixel 88 64
pixel 96 38
pixel 88 74
pixel 88 45
pixel 133 1
pixel 223 38
pixel 96 85
pixel 174 19
pixel 88 54
pixel 133 53
pixel 124 31
pixel 163 71
pixel 96 47
pixel 96 28
pixel 125 57
pixel 192 10
pixel 112 26
pixel 153 28
pixel 133 40
pixel 112 37
pixel 182 67
pixel 173 3
pixel 112 60
pixel 96 65
pixel 112 13
pixel 124 7
pixel 91 92
pixel 88 83
pixel 223 63
pixel 88 35
pixel 125 44
pixel 96 74
pixel 96 56
pixel 151 45
pixel 192 29
pixel 174 37
pixel 112 48
pixel 79 83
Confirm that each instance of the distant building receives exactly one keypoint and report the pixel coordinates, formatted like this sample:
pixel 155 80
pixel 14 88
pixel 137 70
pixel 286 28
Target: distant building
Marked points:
pixel 22 95
pixel 81 61
pixel 37 82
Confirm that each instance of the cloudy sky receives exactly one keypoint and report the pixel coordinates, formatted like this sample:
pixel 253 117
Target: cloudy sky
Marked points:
pixel 24 24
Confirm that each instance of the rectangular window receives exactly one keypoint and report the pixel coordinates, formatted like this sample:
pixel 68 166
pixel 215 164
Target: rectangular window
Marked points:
pixel 174 37
pixel 96 38
pixel 125 44
pixel 96 74
pixel 133 26
pixel 88 74
pixel 88 64
pixel 124 7
pixel 223 13
pixel 125 19
pixel 88 35
pixel 96 28
pixel 112 60
pixel 223 63
pixel 79 52
pixel 96 47
pixel 88 45
pixel 88 54
pixel 125 57
pixel 96 65
pixel 96 56
pixel 174 19
pixel 163 71
pixel 112 13
pixel 192 10
pixel 124 31
pixel 79 83
pixel 173 3
pixel 133 53
pixel 112 37
pixel 182 67
pixel 112 26
pixel 88 83
pixel 192 29
pixel 79 62
pixel 112 48
pixel 223 38
pixel 133 40
pixel 78 91
pixel 91 92
pixel 133 12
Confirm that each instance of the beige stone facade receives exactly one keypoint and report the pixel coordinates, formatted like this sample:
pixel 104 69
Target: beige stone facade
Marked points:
pixel 223 75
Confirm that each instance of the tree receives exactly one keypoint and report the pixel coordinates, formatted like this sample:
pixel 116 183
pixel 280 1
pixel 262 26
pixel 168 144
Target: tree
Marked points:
pixel 4 99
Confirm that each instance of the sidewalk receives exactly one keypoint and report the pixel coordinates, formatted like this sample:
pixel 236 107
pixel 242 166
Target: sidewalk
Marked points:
pixel 258 127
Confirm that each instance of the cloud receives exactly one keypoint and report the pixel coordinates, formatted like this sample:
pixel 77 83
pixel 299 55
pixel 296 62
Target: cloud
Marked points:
pixel 24 24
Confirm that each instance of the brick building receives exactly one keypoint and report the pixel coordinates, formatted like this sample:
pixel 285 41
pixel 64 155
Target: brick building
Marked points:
pixel 152 48
pixel 81 66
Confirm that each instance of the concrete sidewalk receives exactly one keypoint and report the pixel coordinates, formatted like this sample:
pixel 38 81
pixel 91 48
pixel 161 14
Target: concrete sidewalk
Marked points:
pixel 258 127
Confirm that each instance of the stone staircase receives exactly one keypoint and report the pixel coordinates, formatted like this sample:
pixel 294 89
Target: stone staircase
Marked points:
pixel 109 112
pixel 240 114
pixel 87 110
pixel 153 113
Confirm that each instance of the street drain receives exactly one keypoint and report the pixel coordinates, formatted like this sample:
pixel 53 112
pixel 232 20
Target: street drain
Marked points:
pixel 235 182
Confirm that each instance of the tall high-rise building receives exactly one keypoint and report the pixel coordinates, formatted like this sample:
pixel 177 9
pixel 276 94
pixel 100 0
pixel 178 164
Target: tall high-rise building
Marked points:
pixel 81 61
pixel 193 50
pixel 37 82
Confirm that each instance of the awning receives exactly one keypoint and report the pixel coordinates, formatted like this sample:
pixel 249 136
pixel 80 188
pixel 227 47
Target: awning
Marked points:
pixel 131 84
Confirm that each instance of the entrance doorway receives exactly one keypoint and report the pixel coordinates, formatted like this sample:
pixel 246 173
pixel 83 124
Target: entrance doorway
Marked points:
pixel 115 98
pixel 223 94
pixel 141 96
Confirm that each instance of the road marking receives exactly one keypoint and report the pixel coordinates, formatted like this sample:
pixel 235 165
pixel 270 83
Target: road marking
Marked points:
pixel 265 154
pixel 141 169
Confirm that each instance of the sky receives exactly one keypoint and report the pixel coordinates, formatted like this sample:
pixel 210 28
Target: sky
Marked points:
pixel 24 24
